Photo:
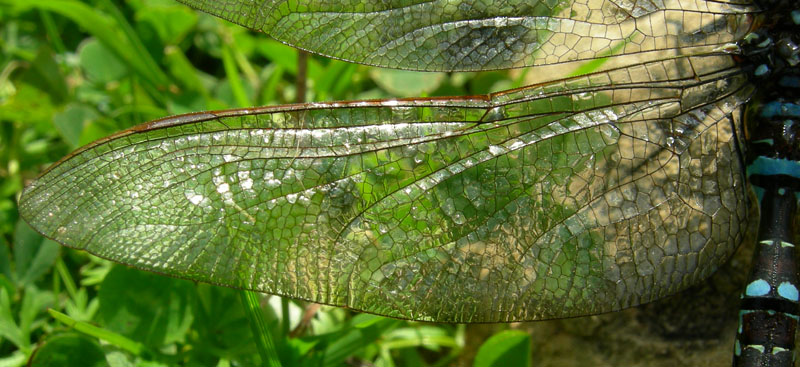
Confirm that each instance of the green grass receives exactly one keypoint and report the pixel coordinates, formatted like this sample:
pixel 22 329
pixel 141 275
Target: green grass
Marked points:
pixel 75 71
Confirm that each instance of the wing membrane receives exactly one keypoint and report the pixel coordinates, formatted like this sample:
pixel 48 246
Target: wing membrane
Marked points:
pixel 575 197
pixel 447 35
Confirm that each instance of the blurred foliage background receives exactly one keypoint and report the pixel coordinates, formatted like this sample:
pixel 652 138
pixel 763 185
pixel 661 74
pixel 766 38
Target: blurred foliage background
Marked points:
pixel 75 71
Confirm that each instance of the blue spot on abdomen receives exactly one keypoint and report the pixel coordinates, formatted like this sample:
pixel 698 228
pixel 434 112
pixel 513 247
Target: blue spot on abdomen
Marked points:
pixel 781 109
pixel 757 288
pixel 789 291
pixel 773 166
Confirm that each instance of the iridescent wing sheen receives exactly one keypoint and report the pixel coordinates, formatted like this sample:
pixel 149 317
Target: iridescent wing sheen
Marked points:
pixel 452 35
pixel 569 198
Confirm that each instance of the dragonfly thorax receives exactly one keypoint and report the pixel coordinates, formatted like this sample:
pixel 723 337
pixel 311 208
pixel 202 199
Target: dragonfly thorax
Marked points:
pixel 773 120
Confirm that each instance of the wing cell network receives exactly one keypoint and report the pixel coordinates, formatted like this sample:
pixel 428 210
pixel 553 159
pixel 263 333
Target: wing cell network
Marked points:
pixel 464 35
pixel 575 197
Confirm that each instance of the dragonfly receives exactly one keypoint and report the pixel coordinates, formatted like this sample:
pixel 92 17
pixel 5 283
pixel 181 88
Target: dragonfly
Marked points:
pixel 579 196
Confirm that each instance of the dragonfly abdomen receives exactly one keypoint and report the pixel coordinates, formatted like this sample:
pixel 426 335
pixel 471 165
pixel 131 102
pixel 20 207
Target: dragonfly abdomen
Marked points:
pixel 770 307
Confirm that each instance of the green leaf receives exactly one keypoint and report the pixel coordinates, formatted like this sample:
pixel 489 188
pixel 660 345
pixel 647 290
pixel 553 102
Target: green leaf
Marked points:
pixel 100 63
pixel 171 22
pixel 29 105
pixel 487 82
pixel 334 73
pixel 365 320
pixel 8 207
pixel 145 307
pixel 508 348
pixel 9 329
pixel 34 255
pixel 118 359
pixel 18 332
pixel 5 258
pixel 296 348
pixel 34 302
pixel 183 71
pixel 44 74
pixel 99 333
pixel 240 95
pixel 71 122
pixel 222 324
pixel 355 338
pixel 279 54
pixel 406 83
pixel 106 29
pixel 93 131
pixel 68 350
pixel 15 359
pixel 329 321
pixel 427 336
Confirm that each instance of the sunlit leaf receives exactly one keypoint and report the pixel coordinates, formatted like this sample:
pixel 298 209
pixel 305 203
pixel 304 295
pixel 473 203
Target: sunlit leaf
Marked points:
pixel 510 348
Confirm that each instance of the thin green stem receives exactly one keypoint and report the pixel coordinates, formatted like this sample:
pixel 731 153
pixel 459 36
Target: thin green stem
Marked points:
pixel 302 70
pixel 113 338
pixel 66 277
pixel 159 76
pixel 261 334
pixel 52 32
pixel 285 321
pixel 232 72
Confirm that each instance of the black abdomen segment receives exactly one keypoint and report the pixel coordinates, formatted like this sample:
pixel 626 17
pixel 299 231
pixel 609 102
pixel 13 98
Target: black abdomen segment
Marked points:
pixel 769 311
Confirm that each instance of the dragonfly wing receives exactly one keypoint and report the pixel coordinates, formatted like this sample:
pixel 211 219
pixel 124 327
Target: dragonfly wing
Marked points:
pixel 569 198
pixel 447 35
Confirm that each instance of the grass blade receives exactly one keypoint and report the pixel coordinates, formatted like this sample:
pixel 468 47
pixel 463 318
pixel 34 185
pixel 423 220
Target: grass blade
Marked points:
pixel 261 334
pixel 99 333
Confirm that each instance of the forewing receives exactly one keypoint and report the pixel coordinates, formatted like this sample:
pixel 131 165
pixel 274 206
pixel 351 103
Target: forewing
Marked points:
pixel 569 198
pixel 453 35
